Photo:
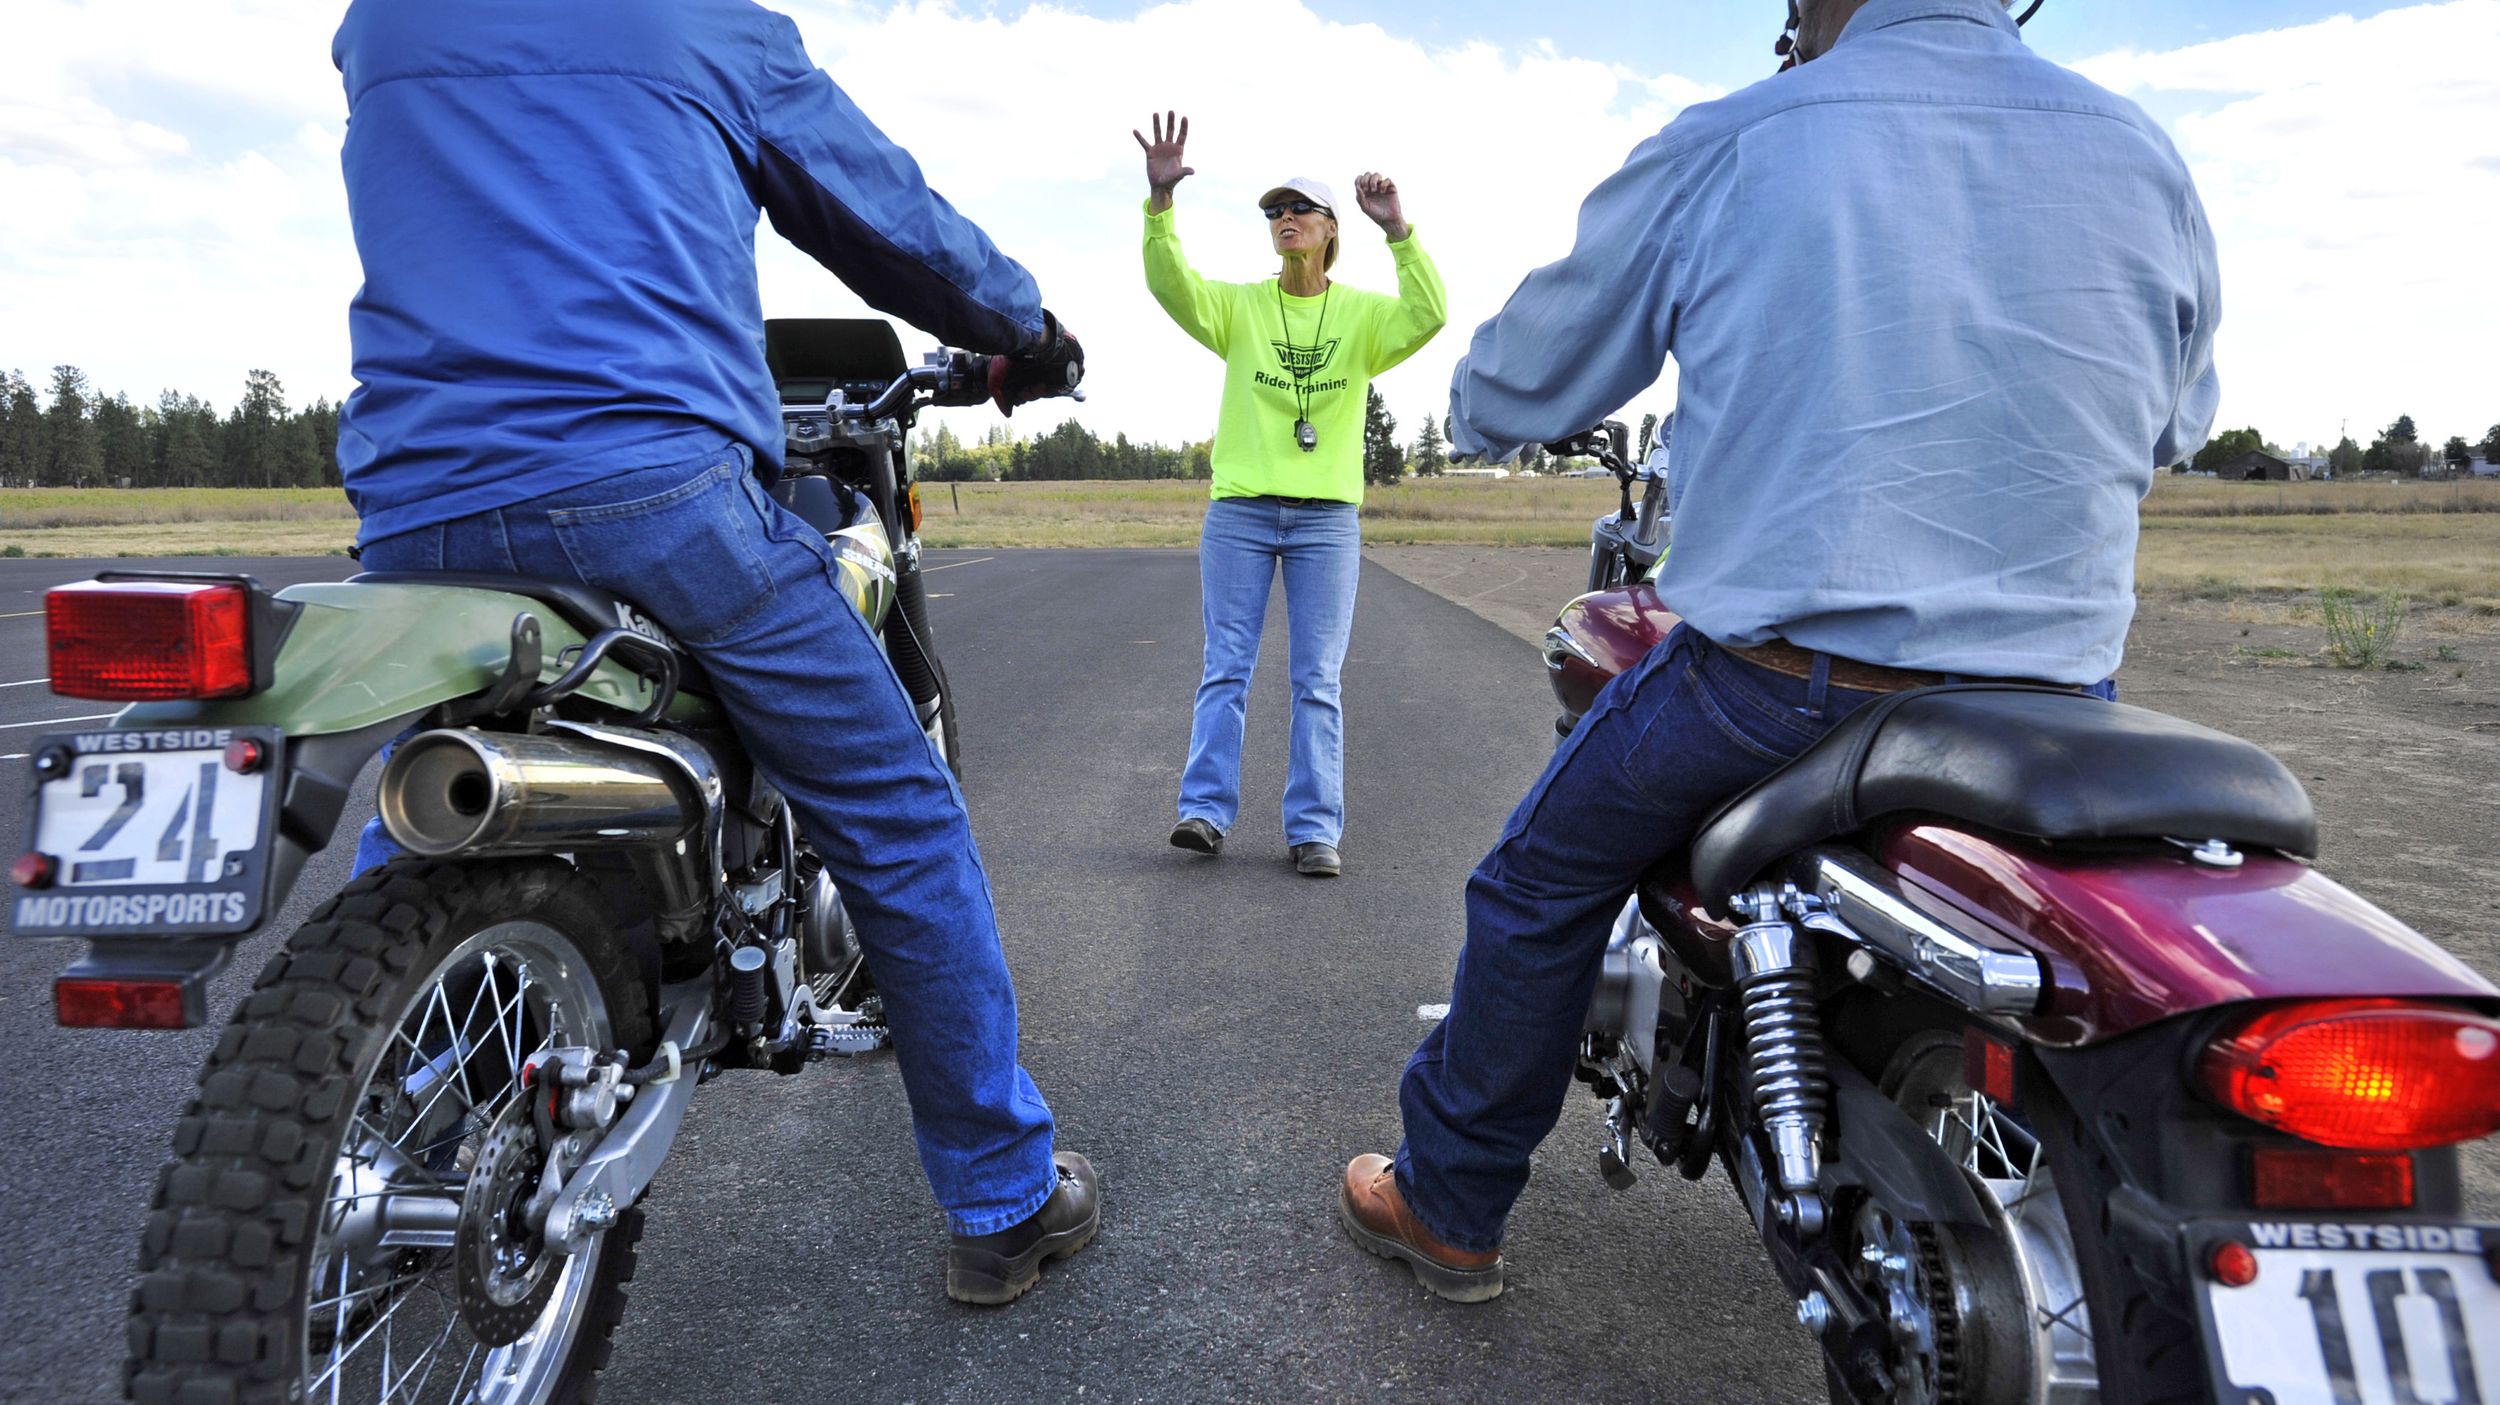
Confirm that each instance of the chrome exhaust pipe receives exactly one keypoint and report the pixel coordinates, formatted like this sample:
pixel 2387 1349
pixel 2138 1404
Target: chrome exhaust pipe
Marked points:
pixel 457 791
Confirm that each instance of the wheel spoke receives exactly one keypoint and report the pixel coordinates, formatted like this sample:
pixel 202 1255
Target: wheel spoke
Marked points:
pixel 340 1352
pixel 452 1078
pixel 351 1295
pixel 466 1366
pixel 433 1352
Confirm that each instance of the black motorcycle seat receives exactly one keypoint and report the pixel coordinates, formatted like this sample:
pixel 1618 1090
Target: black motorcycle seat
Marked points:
pixel 586 608
pixel 2040 763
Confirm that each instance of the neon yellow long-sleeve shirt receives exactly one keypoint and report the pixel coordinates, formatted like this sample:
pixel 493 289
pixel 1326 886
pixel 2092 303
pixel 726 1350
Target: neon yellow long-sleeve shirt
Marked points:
pixel 1338 341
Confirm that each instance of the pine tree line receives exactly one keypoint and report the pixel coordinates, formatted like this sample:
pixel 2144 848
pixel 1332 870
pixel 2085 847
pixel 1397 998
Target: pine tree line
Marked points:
pixel 85 439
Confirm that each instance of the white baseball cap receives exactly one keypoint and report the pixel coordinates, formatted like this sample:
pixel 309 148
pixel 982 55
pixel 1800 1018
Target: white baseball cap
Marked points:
pixel 1317 192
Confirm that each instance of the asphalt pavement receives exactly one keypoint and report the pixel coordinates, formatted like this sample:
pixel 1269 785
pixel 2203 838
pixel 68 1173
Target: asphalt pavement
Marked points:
pixel 1219 1036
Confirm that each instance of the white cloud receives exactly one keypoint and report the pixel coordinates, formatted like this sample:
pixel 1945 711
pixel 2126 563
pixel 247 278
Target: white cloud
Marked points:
pixel 1029 133
pixel 154 257
pixel 170 211
pixel 158 258
pixel 2352 172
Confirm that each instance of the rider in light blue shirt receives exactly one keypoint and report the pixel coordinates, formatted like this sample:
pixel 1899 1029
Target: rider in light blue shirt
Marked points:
pixel 1938 308
pixel 1914 416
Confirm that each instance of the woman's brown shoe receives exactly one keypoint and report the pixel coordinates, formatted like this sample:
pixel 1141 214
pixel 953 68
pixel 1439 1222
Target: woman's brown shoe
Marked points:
pixel 1376 1217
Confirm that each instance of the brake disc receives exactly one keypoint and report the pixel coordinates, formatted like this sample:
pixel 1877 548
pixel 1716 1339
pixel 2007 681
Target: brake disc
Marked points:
pixel 507 1272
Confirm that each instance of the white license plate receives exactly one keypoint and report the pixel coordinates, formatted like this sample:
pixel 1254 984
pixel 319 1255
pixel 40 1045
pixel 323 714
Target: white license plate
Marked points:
pixel 2344 1326
pixel 150 833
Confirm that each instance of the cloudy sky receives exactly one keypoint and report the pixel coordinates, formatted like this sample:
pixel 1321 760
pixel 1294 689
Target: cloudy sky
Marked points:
pixel 170 213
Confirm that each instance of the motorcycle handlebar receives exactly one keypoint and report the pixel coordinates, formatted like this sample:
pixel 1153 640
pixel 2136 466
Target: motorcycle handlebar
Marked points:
pixel 953 378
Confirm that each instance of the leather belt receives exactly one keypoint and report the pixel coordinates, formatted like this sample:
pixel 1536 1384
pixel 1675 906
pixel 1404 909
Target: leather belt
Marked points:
pixel 1301 502
pixel 1782 657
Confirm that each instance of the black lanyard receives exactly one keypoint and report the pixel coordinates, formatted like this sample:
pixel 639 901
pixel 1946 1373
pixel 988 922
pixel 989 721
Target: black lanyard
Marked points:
pixel 1295 358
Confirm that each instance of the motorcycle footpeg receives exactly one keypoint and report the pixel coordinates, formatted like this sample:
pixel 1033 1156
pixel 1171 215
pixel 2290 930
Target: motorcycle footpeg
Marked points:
pixel 847 1038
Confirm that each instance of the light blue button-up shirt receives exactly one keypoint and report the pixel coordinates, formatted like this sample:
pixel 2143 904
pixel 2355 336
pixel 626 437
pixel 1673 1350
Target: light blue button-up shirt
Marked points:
pixel 1938 308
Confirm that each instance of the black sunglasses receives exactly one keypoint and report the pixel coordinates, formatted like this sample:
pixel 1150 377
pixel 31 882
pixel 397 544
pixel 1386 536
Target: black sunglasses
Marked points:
pixel 1299 207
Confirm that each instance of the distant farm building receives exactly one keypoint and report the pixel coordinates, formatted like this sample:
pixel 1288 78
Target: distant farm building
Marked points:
pixel 2254 466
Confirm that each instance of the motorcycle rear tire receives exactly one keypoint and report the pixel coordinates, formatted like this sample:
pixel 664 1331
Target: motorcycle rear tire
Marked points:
pixel 225 1305
pixel 2149 1349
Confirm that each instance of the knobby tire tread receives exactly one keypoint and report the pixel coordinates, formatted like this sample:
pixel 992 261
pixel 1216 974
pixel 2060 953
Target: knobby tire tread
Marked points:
pixel 224 1255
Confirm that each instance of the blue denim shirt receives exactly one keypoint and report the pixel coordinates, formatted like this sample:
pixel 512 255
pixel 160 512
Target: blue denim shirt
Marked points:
pixel 556 202
pixel 1938 309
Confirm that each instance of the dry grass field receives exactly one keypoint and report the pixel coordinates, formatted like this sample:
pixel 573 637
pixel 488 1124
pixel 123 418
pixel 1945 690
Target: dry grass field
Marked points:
pixel 2439 543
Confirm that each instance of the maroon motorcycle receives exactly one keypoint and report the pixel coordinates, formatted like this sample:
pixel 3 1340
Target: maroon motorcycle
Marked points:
pixel 2045 1067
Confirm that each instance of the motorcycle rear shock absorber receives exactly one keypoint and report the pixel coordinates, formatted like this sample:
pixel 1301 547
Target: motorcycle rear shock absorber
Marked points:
pixel 1790 1077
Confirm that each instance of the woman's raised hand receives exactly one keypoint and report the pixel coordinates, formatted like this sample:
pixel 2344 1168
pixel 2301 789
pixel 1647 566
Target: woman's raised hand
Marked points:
pixel 1377 196
pixel 1163 156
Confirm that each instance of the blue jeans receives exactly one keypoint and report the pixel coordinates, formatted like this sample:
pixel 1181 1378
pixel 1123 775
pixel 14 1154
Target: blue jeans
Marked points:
pixel 1664 744
pixel 750 589
pixel 1239 550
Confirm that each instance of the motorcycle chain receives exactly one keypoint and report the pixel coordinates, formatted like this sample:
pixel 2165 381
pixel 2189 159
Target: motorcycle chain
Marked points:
pixel 1940 1311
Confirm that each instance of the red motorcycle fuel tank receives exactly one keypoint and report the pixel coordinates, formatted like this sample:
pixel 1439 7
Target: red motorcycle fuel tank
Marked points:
pixel 1607 631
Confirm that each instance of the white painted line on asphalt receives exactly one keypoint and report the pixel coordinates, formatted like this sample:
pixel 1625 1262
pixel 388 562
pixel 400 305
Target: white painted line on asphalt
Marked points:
pixel 16 756
pixel 951 565
pixel 56 721
pixel 30 614
pixel 27 683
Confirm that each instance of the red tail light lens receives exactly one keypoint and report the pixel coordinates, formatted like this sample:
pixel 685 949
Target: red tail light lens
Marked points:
pixel 2374 1075
pixel 2291 1178
pixel 82 1003
pixel 149 641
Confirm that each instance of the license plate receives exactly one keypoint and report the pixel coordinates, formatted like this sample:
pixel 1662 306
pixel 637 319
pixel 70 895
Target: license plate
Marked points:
pixel 2411 1319
pixel 151 834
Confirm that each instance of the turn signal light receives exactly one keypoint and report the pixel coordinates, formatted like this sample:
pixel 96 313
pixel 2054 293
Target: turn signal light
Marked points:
pixel 2373 1075
pixel 2288 1178
pixel 149 641
pixel 84 1003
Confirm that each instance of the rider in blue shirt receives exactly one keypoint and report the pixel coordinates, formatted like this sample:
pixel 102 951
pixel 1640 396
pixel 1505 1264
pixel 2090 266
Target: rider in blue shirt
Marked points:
pixel 560 372
pixel 1939 308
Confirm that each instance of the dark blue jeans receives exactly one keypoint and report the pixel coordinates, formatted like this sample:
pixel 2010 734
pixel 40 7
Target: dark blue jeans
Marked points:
pixel 750 589
pixel 1664 744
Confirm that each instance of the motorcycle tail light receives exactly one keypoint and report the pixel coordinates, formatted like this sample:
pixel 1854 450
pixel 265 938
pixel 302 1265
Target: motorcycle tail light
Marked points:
pixel 87 1003
pixel 149 641
pixel 2372 1075
pixel 2290 1178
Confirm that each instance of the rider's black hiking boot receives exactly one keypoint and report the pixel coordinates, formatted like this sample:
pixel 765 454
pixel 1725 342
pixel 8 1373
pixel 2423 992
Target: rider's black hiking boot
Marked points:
pixel 990 1269
pixel 1198 836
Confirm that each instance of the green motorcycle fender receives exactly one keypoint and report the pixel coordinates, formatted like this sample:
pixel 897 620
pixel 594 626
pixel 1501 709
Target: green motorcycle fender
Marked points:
pixel 361 662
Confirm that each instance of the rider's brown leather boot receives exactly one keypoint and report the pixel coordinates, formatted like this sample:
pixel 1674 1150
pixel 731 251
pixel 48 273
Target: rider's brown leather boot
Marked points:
pixel 1376 1217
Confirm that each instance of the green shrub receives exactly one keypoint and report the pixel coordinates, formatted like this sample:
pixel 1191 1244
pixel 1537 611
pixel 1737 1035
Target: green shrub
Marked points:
pixel 2360 629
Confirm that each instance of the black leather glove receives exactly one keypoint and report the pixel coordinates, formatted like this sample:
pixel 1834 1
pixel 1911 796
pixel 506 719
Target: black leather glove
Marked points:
pixel 1051 366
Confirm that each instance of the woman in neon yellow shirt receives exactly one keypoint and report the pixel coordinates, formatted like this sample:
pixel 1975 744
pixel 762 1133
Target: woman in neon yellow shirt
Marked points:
pixel 1299 355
